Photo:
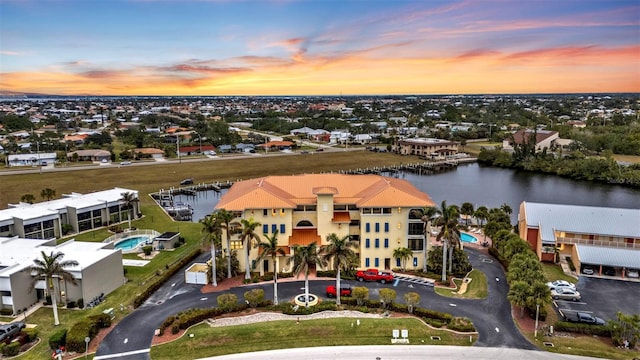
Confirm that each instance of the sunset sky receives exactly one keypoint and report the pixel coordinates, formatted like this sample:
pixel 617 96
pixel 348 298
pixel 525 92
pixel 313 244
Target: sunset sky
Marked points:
pixel 309 47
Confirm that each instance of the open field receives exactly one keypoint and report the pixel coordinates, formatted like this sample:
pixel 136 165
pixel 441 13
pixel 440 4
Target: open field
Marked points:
pixel 148 179
pixel 208 341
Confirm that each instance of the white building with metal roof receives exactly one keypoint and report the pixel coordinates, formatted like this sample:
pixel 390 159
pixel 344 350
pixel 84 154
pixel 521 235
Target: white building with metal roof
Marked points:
pixel 590 235
pixel 72 213
pixel 99 271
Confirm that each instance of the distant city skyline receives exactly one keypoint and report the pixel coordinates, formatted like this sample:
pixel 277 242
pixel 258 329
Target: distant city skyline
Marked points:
pixel 332 47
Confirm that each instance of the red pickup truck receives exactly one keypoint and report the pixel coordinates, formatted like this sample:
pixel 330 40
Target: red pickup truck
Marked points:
pixel 344 291
pixel 374 275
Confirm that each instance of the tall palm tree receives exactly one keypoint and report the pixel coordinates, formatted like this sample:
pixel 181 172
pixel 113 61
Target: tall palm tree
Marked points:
pixel 271 248
pixel 211 232
pixel 339 251
pixel 506 208
pixel 466 209
pixel 449 233
pixel 248 236
pixel 129 199
pixel 47 194
pixel 225 219
pixel 304 257
pixel 426 214
pixel 46 268
pixel 482 214
pixel 404 254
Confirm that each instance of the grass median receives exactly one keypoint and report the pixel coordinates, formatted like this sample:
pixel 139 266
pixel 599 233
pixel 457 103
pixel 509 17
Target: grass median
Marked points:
pixel 214 341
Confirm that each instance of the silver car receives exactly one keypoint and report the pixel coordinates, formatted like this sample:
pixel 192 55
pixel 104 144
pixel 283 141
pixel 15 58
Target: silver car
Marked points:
pixel 565 294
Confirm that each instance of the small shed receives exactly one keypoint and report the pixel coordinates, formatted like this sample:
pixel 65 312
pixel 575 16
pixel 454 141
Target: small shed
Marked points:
pixel 166 240
pixel 196 274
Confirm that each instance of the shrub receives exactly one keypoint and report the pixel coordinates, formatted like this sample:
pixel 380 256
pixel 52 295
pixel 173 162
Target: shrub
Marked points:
pixel 71 304
pixel 227 302
pixel 461 324
pixel 254 297
pixel 47 300
pixel 147 249
pixel 89 327
pixel 177 245
pixel 6 312
pixel 57 339
pixel 326 273
pixel 175 328
pixel 433 322
pixel 12 349
pixel 32 334
pixel 432 314
pixel 387 296
pixel 66 228
pixel 80 303
pixel 588 329
pixel 360 294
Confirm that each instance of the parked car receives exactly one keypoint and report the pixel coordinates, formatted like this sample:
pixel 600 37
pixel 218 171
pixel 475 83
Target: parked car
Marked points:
pixel 344 291
pixel 319 150
pixel 565 294
pixel 188 181
pixel 374 275
pixel 125 163
pixel 632 273
pixel 609 271
pixel 582 317
pixel 9 331
pixel 561 284
pixel 588 270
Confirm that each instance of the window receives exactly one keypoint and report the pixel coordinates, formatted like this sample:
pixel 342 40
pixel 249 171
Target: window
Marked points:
pixel 398 262
pixel 415 214
pixel 386 227
pixel 265 229
pixel 274 228
pixel 282 228
pixel 377 227
pixel 367 243
pixel 415 244
pixel 367 227
pixel 265 212
pixel 377 243
pixel 376 262
pixel 415 228
pixel 386 243
pixel 366 262
pixel 236 244
pixel 415 261
pixel 386 210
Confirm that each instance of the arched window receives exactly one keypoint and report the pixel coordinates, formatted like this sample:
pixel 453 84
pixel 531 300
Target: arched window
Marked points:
pixel 304 223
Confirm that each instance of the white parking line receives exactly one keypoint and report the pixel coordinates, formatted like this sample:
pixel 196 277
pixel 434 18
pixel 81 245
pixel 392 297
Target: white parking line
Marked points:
pixel 113 356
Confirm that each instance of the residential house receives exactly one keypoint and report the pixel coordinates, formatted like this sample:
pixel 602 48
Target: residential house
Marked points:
pixel 36 159
pixel 542 138
pixel 429 148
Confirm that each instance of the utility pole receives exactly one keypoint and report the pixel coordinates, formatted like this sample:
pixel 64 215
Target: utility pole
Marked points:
pixel 178 148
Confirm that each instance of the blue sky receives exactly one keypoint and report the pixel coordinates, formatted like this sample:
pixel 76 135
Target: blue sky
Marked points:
pixel 219 47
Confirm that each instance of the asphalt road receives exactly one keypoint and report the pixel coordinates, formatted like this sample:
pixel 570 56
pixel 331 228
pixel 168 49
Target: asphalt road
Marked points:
pixel 131 338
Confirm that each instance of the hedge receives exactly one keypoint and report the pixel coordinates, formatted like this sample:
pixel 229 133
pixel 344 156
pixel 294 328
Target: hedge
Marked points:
pixel 600 330
pixel 57 339
pixel 12 349
pixel 31 333
pixel 142 297
pixel 88 327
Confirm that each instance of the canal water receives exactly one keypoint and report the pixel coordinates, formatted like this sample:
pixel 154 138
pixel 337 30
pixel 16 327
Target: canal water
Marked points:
pixel 487 186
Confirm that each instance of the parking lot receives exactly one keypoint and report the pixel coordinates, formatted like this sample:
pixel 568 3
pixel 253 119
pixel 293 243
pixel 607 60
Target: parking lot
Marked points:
pixel 605 297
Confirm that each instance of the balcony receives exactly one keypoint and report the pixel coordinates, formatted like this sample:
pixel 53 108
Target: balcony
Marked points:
pixel 604 243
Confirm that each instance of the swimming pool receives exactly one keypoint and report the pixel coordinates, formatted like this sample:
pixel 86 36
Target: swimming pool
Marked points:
pixel 132 243
pixel 468 238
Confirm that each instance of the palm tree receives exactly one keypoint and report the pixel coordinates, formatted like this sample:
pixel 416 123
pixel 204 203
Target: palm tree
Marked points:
pixel 506 208
pixel 404 254
pixel 449 233
pixel 426 214
pixel 211 232
pixel 48 267
pixel 482 214
pixel 271 248
pixel 248 234
pixel 28 198
pixel 47 194
pixel 304 257
pixel 467 210
pixel 129 199
pixel 339 251
pixel 225 220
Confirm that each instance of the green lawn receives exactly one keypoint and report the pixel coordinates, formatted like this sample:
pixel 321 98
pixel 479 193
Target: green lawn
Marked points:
pixel 208 341
pixel 554 272
pixel 476 289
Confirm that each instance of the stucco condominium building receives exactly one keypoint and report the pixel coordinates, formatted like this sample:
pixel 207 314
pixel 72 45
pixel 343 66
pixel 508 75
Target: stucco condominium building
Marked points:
pixel 99 271
pixel 373 210
pixel 81 212
pixel 426 147
pixel 595 236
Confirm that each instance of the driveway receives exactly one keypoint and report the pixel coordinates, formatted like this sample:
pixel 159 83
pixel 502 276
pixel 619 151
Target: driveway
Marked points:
pixel 131 338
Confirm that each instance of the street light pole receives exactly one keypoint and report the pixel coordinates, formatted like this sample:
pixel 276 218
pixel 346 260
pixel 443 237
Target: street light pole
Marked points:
pixel 535 333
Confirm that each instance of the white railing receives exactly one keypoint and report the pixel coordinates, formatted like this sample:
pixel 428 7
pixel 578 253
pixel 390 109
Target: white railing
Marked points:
pixel 604 243
pixel 125 234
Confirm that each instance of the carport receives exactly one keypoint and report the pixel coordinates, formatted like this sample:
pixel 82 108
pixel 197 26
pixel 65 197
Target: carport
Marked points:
pixel 597 256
